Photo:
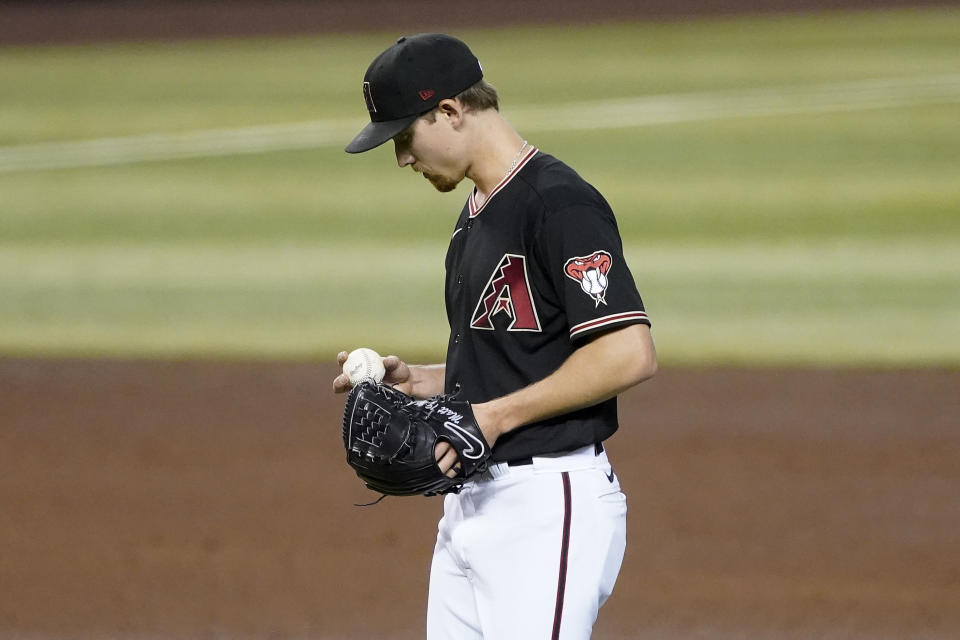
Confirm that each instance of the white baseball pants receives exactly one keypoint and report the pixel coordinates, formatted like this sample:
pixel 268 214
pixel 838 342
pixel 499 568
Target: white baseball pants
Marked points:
pixel 528 552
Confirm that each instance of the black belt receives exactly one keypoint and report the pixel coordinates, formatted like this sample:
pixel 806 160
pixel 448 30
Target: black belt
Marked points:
pixel 519 462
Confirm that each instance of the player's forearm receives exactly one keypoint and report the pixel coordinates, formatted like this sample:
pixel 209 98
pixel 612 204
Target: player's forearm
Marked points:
pixel 427 380
pixel 598 371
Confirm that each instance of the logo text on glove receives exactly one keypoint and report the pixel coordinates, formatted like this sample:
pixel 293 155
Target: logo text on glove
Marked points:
pixel 474 449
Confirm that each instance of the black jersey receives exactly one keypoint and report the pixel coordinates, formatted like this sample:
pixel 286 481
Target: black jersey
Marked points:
pixel 530 273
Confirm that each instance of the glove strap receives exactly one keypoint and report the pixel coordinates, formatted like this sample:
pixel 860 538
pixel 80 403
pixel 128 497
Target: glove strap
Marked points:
pixel 370 504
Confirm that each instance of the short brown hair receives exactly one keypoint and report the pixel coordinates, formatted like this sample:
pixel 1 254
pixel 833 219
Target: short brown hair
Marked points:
pixel 478 97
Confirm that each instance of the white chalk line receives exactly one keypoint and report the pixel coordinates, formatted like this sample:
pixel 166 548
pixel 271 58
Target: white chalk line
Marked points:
pixel 602 114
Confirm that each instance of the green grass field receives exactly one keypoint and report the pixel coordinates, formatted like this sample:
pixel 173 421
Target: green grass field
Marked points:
pixel 788 189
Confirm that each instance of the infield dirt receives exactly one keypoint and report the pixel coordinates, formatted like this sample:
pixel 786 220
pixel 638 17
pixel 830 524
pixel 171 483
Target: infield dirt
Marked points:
pixel 211 500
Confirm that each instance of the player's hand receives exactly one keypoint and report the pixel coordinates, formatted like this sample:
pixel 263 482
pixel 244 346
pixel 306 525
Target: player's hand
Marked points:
pixel 447 459
pixel 398 374
pixel 446 455
pixel 341 384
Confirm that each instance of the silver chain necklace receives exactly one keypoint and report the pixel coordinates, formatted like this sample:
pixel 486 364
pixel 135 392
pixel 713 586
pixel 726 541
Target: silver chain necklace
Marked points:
pixel 516 159
pixel 513 165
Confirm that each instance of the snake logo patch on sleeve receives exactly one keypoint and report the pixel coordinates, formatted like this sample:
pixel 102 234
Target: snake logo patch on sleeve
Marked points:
pixel 591 273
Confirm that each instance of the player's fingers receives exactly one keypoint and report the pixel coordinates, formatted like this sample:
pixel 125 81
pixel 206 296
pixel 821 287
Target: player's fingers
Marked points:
pixel 449 464
pixel 441 449
pixel 396 370
pixel 342 357
pixel 446 458
pixel 341 384
pixel 393 365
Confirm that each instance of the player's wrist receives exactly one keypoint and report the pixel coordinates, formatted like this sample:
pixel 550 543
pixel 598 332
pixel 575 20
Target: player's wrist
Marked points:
pixel 489 419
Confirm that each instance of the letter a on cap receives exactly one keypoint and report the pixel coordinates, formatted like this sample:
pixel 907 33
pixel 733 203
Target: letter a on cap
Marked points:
pixel 368 98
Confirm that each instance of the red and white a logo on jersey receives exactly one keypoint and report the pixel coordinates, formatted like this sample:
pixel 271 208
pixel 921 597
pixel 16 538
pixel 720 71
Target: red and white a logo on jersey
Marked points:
pixel 508 293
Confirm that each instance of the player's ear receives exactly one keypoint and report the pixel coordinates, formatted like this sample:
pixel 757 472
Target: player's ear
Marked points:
pixel 452 110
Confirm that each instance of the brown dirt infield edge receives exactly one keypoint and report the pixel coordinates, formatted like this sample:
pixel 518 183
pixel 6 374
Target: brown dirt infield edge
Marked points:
pixel 63 21
pixel 211 500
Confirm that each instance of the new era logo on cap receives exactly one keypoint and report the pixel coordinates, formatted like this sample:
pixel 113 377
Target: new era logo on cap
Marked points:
pixel 426 94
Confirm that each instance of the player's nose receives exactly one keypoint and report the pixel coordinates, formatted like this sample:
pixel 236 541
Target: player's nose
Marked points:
pixel 404 157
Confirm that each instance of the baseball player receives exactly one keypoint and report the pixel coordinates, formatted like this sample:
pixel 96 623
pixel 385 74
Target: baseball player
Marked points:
pixel 546 328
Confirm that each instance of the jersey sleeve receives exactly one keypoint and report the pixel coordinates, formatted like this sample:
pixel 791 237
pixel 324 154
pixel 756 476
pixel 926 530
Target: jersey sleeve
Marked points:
pixel 583 254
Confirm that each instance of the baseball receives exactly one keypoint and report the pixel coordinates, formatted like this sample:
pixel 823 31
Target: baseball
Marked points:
pixel 364 364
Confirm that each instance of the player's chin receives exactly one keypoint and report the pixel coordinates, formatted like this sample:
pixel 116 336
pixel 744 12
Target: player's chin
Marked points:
pixel 440 183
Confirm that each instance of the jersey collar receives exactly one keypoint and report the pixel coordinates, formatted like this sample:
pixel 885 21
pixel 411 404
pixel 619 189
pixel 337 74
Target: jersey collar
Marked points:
pixel 472 200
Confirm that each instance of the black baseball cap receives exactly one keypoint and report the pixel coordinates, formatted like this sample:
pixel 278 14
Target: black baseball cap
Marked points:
pixel 409 79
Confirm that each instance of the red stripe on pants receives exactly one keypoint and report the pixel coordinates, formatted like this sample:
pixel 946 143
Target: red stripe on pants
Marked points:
pixel 564 552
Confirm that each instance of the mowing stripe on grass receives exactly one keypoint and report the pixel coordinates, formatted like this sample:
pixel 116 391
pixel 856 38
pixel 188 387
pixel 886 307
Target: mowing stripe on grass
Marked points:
pixel 200 266
pixel 858 301
pixel 605 114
